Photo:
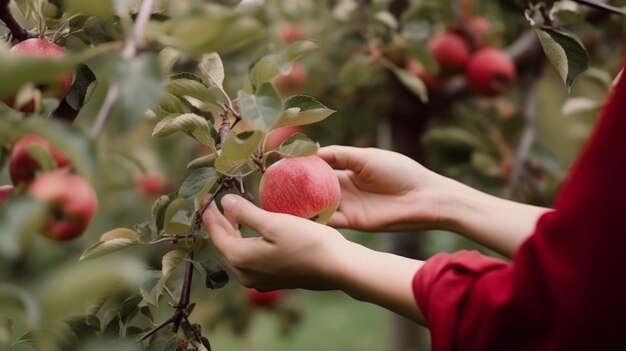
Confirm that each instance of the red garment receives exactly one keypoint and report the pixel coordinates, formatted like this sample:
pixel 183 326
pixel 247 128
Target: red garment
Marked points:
pixel 566 287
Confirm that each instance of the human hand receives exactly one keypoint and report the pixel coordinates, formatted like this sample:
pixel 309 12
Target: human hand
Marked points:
pixel 383 190
pixel 291 252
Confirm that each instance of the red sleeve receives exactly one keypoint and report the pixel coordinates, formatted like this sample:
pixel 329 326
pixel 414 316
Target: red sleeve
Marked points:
pixel 566 289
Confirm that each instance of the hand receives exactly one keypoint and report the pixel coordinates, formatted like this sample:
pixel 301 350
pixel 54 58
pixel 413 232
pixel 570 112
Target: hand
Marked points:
pixel 291 252
pixel 383 190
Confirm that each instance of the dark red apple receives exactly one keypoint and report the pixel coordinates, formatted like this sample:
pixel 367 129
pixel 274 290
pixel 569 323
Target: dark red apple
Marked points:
pixel 5 192
pixel 306 187
pixel 72 204
pixel 46 49
pixel 278 136
pixel 263 299
pixel 491 72
pixel 22 167
pixel 451 52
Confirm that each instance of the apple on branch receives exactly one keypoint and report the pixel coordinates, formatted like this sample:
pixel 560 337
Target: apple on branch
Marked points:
pixel 46 49
pixel 72 204
pixel 306 187
pixel 451 52
pixel 23 168
pixel 491 72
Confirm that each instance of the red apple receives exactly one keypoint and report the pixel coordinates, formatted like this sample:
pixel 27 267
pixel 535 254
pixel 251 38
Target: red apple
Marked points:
pixel 72 204
pixel 291 32
pixel 491 72
pixel 151 184
pixel 263 299
pixel 24 168
pixel 292 82
pixel 46 49
pixel 306 187
pixel 5 192
pixel 432 83
pixel 478 27
pixel 450 51
pixel 278 136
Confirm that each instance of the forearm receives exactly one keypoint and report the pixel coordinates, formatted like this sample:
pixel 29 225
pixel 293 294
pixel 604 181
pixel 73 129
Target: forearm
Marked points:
pixel 379 278
pixel 499 224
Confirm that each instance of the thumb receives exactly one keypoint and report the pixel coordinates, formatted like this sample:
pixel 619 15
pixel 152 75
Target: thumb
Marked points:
pixel 244 212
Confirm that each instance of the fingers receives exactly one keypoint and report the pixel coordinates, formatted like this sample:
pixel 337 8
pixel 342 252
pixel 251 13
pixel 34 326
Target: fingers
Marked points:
pixel 219 228
pixel 345 157
pixel 241 211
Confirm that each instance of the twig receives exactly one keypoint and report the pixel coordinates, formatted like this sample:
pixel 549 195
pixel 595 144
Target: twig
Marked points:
pixel 17 31
pixel 601 6
pixel 128 52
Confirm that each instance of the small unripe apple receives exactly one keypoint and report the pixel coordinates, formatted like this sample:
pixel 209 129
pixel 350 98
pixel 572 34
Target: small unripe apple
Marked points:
pixel 432 83
pixel 306 187
pixel 263 299
pixel 293 81
pixel 450 51
pixel 151 184
pixel 22 167
pixel 491 72
pixel 5 192
pixel 278 136
pixel 290 33
pixel 46 49
pixel 72 204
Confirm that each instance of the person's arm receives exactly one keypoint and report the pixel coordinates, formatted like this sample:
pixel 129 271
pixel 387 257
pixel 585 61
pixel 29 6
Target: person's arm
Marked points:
pixel 294 252
pixel 386 191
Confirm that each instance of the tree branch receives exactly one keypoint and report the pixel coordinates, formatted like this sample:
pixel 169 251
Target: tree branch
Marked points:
pixel 17 31
pixel 128 52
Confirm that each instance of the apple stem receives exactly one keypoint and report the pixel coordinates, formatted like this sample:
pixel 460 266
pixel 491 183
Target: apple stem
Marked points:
pixel 17 31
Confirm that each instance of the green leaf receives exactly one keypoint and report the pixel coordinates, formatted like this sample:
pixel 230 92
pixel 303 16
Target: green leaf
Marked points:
pixel 203 161
pixel 178 216
pixel 265 70
pixel 18 70
pixel 148 288
pixel 566 53
pixel 21 218
pixel 214 273
pixel 301 110
pixel 263 108
pixel 450 139
pixel 11 296
pixel 410 81
pixel 212 70
pixel 355 72
pixel 84 84
pixel 191 123
pixel 235 158
pixel 130 308
pixel 101 8
pixel 139 84
pixel 42 156
pixel 159 208
pixel 163 342
pixel 196 181
pixel 298 145
pixel 103 248
pixel 210 28
pixel 297 49
pixel 188 87
pixel 170 261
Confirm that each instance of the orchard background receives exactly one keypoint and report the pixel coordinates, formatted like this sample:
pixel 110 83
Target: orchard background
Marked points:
pixel 152 123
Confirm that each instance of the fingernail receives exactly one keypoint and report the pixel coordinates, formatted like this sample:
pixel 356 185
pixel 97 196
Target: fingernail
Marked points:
pixel 228 202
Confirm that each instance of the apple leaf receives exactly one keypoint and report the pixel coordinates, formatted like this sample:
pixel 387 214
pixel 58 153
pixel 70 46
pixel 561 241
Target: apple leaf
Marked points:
pixel 262 108
pixel 190 123
pixel 170 261
pixel 212 70
pixel 298 145
pixel 450 139
pixel 148 288
pixel 208 28
pixel 355 72
pixel 103 248
pixel 410 81
pixel 20 218
pixel 566 53
pixel 301 110
pixel 214 273
pixel 198 180
pixel 11 296
pixel 178 216
pixel 297 49
pixel 202 161
pixel 159 209
pixel 578 106
pixel 237 151
pixel 170 104
pixel 42 156
pixel 101 9
pixel 84 84
pixel 186 85
pixel 140 86
pixel 265 70
pixel 163 342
